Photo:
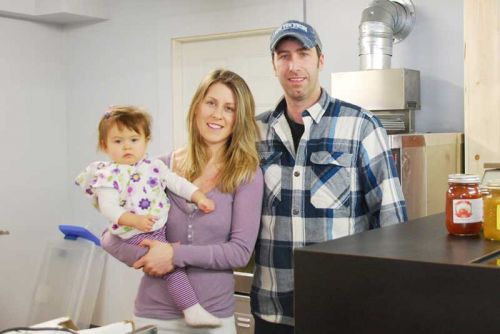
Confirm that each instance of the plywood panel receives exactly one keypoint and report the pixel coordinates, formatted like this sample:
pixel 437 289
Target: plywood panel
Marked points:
pixel 482 83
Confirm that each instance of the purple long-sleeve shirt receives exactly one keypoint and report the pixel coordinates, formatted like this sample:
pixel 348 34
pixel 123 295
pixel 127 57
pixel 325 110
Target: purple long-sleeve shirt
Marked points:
pixel 211 245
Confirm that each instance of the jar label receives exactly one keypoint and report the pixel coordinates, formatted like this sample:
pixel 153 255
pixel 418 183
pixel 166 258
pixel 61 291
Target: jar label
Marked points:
pixel 467 211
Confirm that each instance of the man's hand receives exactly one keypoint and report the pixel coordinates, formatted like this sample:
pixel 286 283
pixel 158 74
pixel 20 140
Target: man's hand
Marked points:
pixel 158 260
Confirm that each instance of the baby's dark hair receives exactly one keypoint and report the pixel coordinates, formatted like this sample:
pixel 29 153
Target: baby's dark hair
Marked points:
pixel 131 117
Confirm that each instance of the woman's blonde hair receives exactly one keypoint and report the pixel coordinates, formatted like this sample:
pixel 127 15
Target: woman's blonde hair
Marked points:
pixel 130 117
pixel 240 158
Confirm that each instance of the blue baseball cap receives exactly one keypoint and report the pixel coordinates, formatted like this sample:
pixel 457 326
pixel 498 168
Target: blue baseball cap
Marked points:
pixel 299 30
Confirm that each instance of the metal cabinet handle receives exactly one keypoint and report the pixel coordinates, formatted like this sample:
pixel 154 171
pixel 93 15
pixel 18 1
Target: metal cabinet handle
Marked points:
pixel 239 324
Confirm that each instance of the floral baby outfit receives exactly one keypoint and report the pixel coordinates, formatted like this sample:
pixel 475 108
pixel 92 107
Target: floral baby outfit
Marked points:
pixel 141 189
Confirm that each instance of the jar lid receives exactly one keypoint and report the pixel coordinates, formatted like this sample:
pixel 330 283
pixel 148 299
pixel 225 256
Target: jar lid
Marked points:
pixel 493 184
pixel 484 190
pixel 463 178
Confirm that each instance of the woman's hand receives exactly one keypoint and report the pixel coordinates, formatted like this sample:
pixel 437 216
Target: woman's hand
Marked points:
pixel 158 260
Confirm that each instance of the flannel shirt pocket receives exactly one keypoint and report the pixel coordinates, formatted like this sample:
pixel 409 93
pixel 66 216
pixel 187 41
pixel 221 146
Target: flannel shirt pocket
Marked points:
pixel 270 163
pixel 330 179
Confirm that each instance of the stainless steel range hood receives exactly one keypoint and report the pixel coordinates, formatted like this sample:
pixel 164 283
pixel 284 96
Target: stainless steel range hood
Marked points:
pixel 391 94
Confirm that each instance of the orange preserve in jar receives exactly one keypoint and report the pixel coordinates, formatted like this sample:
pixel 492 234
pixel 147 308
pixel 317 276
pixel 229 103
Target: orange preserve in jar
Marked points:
pixel 464 205
pixel 491 225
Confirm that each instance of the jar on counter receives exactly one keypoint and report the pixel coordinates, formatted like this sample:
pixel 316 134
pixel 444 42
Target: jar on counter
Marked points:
pixel 491 224
pixel 464 205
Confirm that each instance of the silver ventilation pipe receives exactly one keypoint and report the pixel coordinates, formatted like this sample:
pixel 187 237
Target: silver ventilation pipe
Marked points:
pixel 383 23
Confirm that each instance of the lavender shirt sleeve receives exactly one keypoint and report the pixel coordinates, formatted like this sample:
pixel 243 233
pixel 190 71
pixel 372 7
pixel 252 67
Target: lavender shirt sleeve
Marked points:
pixel 120 250
pixel 245 224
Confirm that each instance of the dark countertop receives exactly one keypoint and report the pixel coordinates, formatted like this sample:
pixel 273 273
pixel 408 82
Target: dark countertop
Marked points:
pixel 425 239
pixel 406 278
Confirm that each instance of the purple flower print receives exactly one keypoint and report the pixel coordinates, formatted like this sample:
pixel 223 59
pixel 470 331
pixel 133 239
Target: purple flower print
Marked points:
pixel 89 191
pixel 136 177
pixel 160 205
pixel 116 171
pixel 144 203
pixel 153 182
pixel 147 161
pixel 144 190
pixel 114 226
pixel 115 185
pixel 156 170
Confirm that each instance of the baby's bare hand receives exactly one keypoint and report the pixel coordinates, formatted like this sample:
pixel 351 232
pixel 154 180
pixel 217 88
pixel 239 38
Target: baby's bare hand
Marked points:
pixel 145 223
pixel 206 205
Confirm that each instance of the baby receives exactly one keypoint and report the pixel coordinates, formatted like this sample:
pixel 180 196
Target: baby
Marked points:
pixel 129 192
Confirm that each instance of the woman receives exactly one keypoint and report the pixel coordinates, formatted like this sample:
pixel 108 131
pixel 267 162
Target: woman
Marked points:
pixel 221 159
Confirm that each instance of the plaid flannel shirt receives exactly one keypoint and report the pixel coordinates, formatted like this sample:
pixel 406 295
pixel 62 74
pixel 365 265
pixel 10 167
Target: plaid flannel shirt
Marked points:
pixel 342 180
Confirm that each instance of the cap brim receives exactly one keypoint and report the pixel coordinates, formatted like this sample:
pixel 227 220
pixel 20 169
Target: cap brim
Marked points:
pixel 304 40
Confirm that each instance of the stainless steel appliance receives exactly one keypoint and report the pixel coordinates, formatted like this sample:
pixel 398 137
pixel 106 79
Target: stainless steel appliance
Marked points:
pixel 242 286
pixel 392 95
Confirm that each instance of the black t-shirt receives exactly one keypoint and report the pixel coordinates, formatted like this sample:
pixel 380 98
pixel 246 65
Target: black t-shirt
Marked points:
pixel 296 129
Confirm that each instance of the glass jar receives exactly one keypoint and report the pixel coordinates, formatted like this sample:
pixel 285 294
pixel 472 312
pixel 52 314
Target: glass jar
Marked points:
pixel 491 225
pixel 464 205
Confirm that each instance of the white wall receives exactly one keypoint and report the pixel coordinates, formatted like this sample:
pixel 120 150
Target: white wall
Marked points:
pixel 57 82
pixel 34 171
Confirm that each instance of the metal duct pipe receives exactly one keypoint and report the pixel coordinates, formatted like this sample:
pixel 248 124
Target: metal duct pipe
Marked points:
pixel 383 23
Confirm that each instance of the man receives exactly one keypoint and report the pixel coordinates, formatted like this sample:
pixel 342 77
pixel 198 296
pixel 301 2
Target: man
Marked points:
pixel 328 173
